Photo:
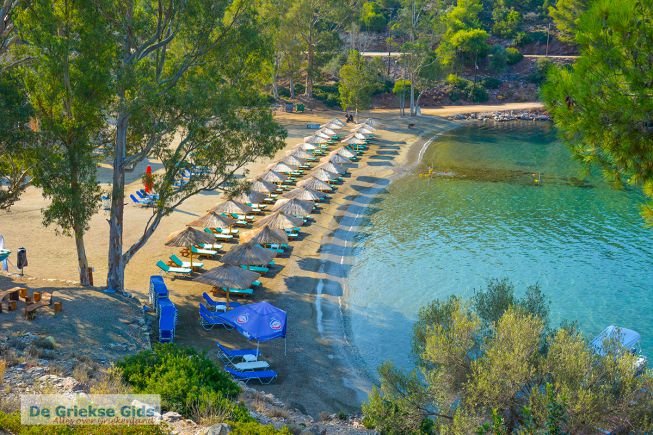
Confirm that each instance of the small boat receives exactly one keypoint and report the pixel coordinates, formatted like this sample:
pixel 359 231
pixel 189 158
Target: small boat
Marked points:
pixel 625 340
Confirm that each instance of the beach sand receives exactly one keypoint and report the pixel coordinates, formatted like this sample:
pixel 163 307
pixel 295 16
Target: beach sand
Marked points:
pixel 319 372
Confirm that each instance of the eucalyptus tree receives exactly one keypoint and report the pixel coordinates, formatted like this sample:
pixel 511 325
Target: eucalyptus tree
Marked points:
pixel 188 78
pixel 602 104
pixel 65 40
pixel 358 80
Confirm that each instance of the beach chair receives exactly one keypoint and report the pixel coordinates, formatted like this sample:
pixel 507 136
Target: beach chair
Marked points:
pixel 263 376
pixel 211 246
pixel 220 236
pixel 141 202
pixel 185 264
pixel 231 356
pixel 144 195
pixel 182 271
pixel 258 269
pixel 209 319
pixel 203 252
pixel 217 305
pixel 232 231
pixel 237 291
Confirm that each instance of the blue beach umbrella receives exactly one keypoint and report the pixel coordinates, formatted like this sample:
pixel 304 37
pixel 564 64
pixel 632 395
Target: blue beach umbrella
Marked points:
pixel 261 321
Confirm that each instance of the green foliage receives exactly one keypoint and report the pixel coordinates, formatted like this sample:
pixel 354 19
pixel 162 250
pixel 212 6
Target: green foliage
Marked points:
pixel 491 83
pixel 606 120
pixel 513 56
pixel 357 83
pixel 485 369
pixel 466 89
pixel 540 71
pixel 506 21
pixel 400 86
pixel 327 94
pixel 11 423
pixel 256 428
pixel 525 38
pixel 372 17
pixel 566 15
pixel 498 59
pixel 187 381
pixel 465 47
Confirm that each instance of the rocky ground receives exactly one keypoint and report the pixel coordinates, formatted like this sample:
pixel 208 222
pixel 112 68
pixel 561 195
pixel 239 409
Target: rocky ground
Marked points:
pixel 501 116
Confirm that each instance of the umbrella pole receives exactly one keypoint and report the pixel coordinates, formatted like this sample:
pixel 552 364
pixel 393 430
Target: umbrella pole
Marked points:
pixel 228 299
pixel 191 257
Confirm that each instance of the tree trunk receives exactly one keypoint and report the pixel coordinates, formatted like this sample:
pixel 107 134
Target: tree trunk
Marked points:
pixel 275 78
pixel 82 261
pixel 292 87
pixel 309 71
pixel 412 98
pixel 116 273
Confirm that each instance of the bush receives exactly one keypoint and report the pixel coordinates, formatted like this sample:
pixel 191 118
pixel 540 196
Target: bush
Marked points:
pixel 513 56
pixel 538 75
pixel 255 428
pixel 491 83
pixel 499 58
pixel 523 38
pixel 466 89
pixel 372 17
pixel 11 423
pixel 188 382
pixel 327 94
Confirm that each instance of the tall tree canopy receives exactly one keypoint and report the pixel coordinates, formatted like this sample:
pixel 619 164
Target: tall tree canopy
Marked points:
pixel 357 82
pixel 603 104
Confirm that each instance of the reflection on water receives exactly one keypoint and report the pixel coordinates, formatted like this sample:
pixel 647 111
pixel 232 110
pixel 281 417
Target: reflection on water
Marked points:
pixel 486 216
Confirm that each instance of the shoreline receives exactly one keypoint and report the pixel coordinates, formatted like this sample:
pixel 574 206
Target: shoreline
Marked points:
pixel 320 372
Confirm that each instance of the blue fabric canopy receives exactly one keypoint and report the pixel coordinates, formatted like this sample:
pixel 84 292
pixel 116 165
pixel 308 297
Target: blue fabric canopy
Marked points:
pixel 261 321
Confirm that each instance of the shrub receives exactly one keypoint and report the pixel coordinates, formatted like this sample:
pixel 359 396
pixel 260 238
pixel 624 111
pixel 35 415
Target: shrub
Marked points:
pixel 499 58
pixel 513 56
pixel 523 38
pixel 255 428
pixel 466 89
pixel 327 94
pixel 538 74
pixel 185 380
pixel 400 85
pixel 372 17
pixel 491 83
pixel 11 423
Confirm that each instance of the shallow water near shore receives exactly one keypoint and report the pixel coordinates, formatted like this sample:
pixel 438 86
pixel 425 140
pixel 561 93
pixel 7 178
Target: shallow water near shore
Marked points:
pixel 506 200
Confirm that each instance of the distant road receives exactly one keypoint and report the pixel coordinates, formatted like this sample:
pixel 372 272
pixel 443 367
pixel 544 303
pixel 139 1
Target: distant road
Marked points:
pixel 398 54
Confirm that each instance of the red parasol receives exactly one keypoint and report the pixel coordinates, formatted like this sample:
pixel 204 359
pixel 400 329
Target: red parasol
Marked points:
pixel 148 179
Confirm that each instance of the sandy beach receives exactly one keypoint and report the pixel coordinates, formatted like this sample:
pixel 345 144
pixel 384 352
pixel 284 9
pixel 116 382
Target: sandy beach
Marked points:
pixel 320 371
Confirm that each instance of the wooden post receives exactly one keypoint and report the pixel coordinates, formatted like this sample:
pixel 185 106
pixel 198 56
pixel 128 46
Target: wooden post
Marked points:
pixel 11 305
pixel 57 307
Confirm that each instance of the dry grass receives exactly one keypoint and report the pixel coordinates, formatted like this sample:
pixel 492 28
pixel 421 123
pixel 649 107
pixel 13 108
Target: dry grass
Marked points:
pixel 109 382
pixel 209 414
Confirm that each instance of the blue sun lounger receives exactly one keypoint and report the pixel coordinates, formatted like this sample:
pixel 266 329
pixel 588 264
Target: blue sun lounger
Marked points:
pixel 232 355
pixel 217 305
pixel 263 376
pixel 141 202
pixel 209 319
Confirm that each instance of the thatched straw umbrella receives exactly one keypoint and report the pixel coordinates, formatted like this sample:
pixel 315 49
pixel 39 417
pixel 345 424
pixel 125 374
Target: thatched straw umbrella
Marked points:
pixel 273 177
pixel 331 167
pixel 356 135
pixel 293 160
pixel 263 187
pixel 294 207
pixel 327 131
pixel 324 175
pixel 280 221
pixel 315 184
pixel 265 236
pixel 248 254
pixel 353 141
pixel 283 167
pixel 334 122
pixel 251 197
pixel 345 152
pixel 301 154
pixel 228 277
pixel 307 146
pixel 213 220
pixel 232 206
pixel 304 193
pixel 338 159
pixel 315 139
pixel 187 238
pixel 364 129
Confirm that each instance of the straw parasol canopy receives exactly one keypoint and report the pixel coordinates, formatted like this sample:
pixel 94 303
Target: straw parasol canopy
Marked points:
pixel 228 276
pixel 293 160
pixel 320 133
pixel 338 159
pixel 353 141
pixel 337 121
pixel 328 131
pixel 248 254
pixel 355 135
pixel 294 207
pixel 301 154
pixel 265 235
pixel 232 206
pixel 331 167
pixel 304 193
pixel 307 146
pixel 273 177
pixel 213 220
pixel 345 152
pixel 188 237
pixel 252 197
pixel 315 184
pixel 283 167
pixel 315 139
pixel 371 122
pixel 262 187
pixel 280 221
pixel 364 129
pixel 324 175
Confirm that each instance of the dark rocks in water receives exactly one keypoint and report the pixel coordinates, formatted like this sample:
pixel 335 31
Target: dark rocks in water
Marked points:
pixel 502 116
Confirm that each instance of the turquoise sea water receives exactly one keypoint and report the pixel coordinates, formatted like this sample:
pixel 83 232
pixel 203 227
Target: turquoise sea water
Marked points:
pixel 487 217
